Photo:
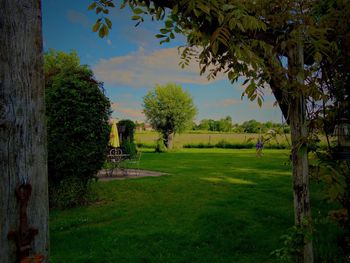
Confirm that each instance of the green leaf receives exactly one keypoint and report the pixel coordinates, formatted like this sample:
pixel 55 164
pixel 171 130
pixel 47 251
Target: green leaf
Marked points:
pixel 259 102
pixel 169 23
pixel 160 36
pixel 215 47
pixel 164 30
pixel 108 22
pixel 318 57
pixel 205 8
pixel 137 11
pixel 103 31
pixel 232 75
pixel 110 4
pixel 96 26
pixel 92 6
pixel 136 17
pixel 98 10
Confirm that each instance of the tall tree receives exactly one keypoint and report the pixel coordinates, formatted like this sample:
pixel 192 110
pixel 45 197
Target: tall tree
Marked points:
pixel 169 110
pixel 22 131
pixel 267 42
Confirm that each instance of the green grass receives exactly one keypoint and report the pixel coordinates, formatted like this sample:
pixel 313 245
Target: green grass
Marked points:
pixel 149 138
pixel 215 205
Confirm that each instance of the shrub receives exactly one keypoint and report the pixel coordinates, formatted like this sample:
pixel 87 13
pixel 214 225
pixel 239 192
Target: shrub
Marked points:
pixel 160 147
pixel 129 147
pixel 127 128
pixel 77 123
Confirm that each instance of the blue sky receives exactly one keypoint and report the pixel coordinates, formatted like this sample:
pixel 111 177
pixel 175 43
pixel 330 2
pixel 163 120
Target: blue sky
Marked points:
pixel 131 61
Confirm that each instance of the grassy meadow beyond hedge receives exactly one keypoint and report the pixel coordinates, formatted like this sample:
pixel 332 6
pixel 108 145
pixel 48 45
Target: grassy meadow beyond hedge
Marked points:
pixel 211 140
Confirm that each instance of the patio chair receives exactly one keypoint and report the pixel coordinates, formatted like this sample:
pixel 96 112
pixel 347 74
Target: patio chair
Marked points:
pixel 132 165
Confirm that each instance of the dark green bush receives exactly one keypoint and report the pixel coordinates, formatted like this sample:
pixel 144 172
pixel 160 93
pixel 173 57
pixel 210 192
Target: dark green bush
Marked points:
pixel 129 147
pixel 77 122
pixel 227 145
pixel 160 147
pixel 127 129
pixel 146 145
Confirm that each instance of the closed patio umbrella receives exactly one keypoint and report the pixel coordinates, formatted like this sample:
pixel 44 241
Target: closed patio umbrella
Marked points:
pixel 113 136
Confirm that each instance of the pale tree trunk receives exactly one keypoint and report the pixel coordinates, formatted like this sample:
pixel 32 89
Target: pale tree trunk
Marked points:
pixel 23 156
pixel 299 132
pixel 168 140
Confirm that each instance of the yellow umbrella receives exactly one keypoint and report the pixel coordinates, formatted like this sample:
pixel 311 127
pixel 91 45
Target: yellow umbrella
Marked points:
pixel 113 136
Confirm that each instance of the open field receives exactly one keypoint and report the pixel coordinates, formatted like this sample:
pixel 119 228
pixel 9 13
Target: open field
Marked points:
pixel 215 205
pixel 149 138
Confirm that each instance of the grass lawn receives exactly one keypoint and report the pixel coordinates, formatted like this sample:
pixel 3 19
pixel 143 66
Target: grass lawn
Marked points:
pixel 215 205
pixel 149 138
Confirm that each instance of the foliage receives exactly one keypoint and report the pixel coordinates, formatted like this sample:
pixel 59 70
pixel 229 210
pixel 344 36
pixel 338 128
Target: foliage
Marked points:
pixel 129 147
pixel 334 176
pixel 334 106
pixel 247 38
pixel 229 145
pixel 293 46
pixel 128 144
pixel 77 120
pixel 160 147
pixel 293 242
pixel 222 125
pixel 128 129
pixel 251 126
pixel 169 109
pixel 69 192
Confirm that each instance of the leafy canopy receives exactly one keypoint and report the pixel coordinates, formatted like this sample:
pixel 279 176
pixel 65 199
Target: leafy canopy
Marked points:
pixel 245 38
pixel 169 109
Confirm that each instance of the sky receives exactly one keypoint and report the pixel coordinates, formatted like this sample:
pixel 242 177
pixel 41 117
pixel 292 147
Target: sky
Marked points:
pixel 130 62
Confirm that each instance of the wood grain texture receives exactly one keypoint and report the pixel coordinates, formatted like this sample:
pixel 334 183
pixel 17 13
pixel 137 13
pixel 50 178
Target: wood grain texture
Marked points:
pixel 23 155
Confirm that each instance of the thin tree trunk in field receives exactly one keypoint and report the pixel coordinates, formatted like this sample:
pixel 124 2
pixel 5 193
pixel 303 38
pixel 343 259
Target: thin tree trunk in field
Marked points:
pixel 297 115
pixel 170 141
pixel 23 156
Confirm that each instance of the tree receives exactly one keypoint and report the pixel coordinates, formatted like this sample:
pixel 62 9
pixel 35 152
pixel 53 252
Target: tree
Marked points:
pixel 170 110
pixel 267 42
pixel 204 125
pixel 23 156
pixel 77 119
pixel 225 124
pixel 251 126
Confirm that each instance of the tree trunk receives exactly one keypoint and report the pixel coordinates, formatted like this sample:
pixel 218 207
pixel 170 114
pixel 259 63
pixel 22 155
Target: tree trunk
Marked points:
pixel 297 115
pixel 302 210
pixel 23 156
pixel 169 140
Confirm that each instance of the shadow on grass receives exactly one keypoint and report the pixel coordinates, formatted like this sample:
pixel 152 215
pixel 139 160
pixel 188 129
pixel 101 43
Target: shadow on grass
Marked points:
pixel 213 207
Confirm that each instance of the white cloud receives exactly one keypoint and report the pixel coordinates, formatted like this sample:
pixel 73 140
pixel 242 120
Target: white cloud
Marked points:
pixel 127 110
pixel 145 70
pixel 132 113
pixel 109 42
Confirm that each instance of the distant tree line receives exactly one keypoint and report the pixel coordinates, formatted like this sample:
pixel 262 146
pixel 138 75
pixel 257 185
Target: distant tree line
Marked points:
pixel 251 126
pixel 226 125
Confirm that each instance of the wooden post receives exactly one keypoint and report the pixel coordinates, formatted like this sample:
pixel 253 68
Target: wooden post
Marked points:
pixel 23 154
pixel 299 132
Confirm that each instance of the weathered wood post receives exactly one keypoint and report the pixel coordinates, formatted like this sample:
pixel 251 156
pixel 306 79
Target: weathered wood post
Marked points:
pixel 23 156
